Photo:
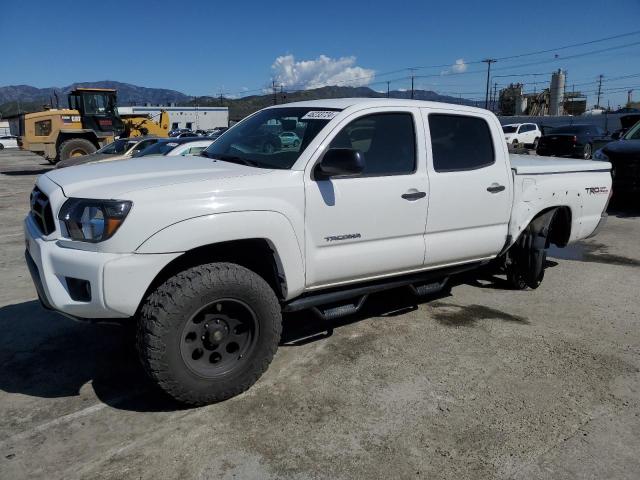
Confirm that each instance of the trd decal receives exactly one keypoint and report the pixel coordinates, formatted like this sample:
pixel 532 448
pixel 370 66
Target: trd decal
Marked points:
pixel 337 238
pixel 597 190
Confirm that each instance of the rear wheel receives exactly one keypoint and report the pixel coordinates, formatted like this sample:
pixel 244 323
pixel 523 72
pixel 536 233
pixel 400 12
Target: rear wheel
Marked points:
pixel 586 151
pixel 208 333
pixel 1 146
pixel 75 147
pixel 525 261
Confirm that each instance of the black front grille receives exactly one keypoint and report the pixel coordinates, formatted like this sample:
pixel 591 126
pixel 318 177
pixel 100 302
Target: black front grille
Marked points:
pixel 41 212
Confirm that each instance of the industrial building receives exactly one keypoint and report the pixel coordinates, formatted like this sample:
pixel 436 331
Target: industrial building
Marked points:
pixel 553 101
pixel 193 118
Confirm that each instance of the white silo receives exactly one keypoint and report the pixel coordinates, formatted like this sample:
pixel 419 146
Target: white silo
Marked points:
pixel 556 93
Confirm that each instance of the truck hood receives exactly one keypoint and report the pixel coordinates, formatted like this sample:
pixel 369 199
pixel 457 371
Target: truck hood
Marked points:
pixel 91 158
pixel 112 180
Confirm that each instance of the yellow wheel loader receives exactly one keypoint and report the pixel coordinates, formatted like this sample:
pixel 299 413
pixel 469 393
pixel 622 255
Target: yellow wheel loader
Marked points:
pixel 90 122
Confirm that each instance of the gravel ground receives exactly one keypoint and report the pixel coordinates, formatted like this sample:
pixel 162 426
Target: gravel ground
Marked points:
pixel 481 382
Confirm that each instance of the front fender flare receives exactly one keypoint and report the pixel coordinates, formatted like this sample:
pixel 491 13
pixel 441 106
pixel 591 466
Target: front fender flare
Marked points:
pixel 272 226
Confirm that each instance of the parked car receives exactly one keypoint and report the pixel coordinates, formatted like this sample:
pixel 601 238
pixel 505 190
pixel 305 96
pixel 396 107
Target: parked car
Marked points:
pixel 624 156
pixel 626 122
pixel 177 131
pixel 205 254
pixel 572 140
pixel 118 150
pixel 216 132
pixel 526 134
pixel 176 146
pixel 289 139
pixel 187 135
pixel 8 141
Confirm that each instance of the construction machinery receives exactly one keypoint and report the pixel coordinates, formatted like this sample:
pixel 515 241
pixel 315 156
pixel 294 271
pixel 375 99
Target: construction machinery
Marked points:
pixel 90 122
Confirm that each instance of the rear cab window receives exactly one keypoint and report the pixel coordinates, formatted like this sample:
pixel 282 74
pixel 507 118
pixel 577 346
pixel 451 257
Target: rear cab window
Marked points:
pixel 460 142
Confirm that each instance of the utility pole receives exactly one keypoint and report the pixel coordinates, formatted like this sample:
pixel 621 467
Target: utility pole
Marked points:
pixel 412 70
pixel 495 96
pixel 283 96
pixel 275 94
pixel 388 88
pixel 629 97
pixel 488 61
pixel 599 89
pixel 564 93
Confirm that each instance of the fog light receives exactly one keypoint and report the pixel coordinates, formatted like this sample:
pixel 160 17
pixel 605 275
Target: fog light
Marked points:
pixel 79 290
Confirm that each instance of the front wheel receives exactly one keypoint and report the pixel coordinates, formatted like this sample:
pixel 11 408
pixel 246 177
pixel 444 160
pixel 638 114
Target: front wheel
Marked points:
pixel 208 333
pixel 75 147
pixel 586 151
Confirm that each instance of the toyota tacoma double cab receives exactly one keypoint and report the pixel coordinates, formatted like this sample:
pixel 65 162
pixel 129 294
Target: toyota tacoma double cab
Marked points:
pixel 205 253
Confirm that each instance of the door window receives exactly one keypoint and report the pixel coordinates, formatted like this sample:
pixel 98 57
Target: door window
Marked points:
pixel 460 142
pixel 387 140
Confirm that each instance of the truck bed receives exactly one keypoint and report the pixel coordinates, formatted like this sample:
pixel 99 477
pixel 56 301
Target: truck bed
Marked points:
pixel 534 165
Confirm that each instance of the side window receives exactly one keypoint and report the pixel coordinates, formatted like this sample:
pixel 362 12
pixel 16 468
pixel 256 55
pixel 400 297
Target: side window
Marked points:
pixel 196 150
pixel 43 128
pixel 460 143
pixel 174 126
pixel 387 140
pixel 141 146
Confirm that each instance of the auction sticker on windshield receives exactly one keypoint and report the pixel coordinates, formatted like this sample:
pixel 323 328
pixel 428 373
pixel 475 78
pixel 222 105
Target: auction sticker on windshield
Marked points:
pixel 319 115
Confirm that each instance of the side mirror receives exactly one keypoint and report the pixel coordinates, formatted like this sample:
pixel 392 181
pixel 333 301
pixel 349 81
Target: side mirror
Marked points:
pixel 338 162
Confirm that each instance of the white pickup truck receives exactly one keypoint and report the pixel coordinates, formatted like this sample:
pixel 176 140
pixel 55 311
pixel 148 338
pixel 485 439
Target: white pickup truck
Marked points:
pixel 205 253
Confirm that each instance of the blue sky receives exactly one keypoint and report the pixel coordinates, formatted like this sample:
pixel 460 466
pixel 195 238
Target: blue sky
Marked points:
pixel 200 47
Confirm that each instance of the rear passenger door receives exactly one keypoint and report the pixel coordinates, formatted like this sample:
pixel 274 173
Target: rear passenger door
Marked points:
pixel 470 187
pixel 372 224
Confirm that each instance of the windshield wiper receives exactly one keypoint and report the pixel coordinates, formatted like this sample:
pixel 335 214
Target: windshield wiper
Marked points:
pixel 236 159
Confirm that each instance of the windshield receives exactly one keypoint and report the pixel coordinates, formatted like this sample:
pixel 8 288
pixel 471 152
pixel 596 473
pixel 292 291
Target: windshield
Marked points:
pixel 633 133
pixel 160 148
pixel 509 129
pixel 99 104
pixel 258 140
pixel 119 146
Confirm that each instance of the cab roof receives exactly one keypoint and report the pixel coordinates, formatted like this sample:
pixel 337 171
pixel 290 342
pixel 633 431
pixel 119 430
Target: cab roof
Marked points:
pixel 344 103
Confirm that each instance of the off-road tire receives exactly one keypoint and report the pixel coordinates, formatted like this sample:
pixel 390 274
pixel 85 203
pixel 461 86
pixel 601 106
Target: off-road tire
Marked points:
pixel 75 144
pixel 170 306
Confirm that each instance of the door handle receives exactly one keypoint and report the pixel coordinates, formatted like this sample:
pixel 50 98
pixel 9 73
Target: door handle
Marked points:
pixel 495 188
pixel 414 195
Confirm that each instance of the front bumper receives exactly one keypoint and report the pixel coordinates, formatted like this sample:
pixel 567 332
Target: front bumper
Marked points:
pixel 118 281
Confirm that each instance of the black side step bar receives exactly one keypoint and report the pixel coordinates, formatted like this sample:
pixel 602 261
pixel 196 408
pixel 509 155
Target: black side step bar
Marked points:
pixel 339 301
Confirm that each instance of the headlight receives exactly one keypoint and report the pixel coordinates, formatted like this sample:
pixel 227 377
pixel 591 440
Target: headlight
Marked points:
pixel 88 220
pixel 600 155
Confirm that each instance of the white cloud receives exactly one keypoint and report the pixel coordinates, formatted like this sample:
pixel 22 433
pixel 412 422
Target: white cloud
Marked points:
pixel 320 72
pixel 458 67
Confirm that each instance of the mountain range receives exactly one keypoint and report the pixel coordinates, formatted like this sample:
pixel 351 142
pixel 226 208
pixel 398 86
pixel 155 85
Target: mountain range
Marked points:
pixel 25 98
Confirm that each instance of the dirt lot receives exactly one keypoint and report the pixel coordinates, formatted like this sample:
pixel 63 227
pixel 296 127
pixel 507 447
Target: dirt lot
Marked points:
pixel 482 382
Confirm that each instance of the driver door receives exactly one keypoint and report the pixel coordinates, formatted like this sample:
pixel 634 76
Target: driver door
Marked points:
pixel 373 224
